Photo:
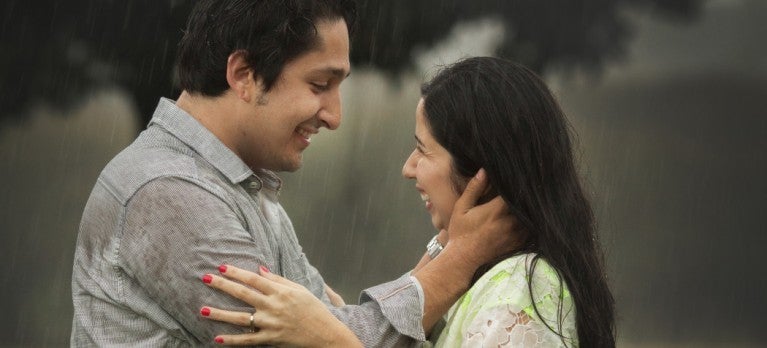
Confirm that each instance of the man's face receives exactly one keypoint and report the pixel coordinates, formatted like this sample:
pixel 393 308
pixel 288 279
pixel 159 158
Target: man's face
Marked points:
pixel 305 98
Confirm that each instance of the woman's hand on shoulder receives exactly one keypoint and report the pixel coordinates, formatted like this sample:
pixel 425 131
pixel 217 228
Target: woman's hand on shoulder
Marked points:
pixel 285 313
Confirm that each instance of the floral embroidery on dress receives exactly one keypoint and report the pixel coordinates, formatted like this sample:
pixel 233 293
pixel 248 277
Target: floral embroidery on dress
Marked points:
pixel 498 310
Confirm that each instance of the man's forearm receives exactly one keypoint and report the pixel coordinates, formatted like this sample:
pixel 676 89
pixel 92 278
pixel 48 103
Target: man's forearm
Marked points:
pixel 443 280
pixel 421 263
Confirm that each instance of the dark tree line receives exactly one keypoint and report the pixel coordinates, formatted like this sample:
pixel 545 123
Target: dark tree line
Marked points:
pixel 54 51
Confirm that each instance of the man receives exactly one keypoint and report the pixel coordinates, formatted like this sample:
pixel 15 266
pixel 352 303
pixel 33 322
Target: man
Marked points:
pixel 197 188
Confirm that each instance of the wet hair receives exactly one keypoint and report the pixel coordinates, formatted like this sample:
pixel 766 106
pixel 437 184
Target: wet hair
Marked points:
pixel 270 32
pixel 494 114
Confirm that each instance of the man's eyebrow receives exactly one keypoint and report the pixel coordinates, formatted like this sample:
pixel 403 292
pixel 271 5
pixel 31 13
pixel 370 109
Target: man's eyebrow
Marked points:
pixel 336 72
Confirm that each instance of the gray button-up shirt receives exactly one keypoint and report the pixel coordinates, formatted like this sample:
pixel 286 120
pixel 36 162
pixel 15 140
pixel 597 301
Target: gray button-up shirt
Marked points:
pixel 173 206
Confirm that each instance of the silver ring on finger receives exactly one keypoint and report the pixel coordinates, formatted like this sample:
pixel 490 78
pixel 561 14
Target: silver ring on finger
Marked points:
pixel 252 323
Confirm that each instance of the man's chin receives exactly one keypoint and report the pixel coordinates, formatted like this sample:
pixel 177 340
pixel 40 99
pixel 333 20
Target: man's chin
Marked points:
pixel 292 166
pixel 287 163
pixel 293 169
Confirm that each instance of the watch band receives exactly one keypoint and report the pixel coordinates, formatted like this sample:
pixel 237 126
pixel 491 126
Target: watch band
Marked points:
pixel 433 248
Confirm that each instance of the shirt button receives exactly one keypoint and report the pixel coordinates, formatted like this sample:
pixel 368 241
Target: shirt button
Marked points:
pixel 254 185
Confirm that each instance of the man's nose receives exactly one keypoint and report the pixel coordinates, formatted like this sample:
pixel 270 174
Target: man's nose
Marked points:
pixel 330 114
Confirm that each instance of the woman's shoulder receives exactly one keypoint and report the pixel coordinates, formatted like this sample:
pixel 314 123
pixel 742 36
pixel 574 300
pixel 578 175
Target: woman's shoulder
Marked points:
pixel 510 281
pixel 521 267
pixel 501 304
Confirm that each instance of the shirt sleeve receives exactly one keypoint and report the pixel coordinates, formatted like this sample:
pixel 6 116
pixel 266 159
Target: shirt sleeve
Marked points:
pixel 389 314
pixel 175 232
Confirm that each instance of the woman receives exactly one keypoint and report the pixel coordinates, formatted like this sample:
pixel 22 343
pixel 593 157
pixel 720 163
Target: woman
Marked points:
pixel 493 114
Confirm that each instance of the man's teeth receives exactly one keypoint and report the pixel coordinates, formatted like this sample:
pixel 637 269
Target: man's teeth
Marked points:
pixel 305 134
pixel 425 197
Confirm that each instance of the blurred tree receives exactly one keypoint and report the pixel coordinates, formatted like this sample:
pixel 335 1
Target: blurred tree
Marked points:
pixel 54 51
pixel 539 34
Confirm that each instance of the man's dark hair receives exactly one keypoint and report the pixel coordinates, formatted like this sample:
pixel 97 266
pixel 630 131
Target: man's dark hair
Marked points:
pixel 270 32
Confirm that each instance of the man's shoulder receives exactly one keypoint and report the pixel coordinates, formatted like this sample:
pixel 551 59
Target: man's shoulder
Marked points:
pixel 145 161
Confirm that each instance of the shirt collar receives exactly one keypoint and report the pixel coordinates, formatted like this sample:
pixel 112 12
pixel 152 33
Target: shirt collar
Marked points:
pixel 187 129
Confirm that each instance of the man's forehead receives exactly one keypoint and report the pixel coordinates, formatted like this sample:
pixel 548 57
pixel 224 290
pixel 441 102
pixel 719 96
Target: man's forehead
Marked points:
pixel 331 52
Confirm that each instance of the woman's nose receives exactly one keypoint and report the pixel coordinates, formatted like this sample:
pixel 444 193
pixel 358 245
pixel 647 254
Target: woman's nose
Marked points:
pixel 408 169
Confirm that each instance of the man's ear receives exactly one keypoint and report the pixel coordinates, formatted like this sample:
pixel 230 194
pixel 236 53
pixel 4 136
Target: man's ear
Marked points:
pixel 240 77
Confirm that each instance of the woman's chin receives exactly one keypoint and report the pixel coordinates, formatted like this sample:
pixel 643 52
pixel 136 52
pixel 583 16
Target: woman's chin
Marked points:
pixel 437 223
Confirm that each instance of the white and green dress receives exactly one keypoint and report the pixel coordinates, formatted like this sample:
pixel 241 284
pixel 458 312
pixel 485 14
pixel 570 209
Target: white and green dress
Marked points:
pixel 498 311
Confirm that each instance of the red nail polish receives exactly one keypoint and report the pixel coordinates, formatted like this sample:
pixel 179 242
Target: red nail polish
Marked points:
pixel 222 268
pixel 205 311
pixel 263 269
pixel 207 278
pixel 219 340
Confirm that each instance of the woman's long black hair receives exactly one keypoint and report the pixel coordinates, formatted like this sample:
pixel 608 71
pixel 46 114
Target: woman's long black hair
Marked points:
pixel 494 114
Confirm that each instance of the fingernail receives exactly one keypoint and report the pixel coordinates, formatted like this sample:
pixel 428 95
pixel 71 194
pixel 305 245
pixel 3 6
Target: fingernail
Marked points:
pixel 480 174
pixel 222 268
pixel 219 340
pixel 207 278
pixel 263 269
pixel 205 311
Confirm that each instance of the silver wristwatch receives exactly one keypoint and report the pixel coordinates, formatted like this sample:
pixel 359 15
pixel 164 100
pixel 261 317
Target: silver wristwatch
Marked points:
pixel 434 247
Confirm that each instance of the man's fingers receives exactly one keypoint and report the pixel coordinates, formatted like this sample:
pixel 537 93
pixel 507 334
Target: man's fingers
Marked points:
pixel 499 210
pixel 474 189
pixel 497 206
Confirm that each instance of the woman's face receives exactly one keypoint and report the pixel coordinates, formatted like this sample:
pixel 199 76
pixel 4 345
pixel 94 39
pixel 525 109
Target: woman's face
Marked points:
pixel 430 166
